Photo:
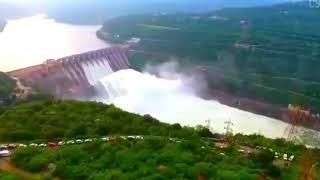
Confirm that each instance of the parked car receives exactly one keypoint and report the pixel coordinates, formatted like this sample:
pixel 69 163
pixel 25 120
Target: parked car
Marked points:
pixel 70 142
pixel 285 157
pixel 291 158
pixel 5 153
pixel 22 145
pixel 139 137
pixel 3 146
pixel 104 139
pixel 42 145
pixel 61 143
pixel 87 140
pixel 52 144
pixel 33 145
pixel 13 146
pixel 79 141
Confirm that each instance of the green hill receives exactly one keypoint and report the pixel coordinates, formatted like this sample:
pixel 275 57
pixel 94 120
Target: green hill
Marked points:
pixel 273 56
pixel 6 87
pixel 69 119
pixel 165 151
pixel 152 158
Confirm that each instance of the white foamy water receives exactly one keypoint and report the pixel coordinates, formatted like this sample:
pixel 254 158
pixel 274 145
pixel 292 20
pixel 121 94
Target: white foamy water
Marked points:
pixel 170 101
pixel 32 40
pixel 95 71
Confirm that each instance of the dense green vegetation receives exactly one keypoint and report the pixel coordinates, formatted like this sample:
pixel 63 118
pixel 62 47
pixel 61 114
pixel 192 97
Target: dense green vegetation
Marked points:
pixel 278 55
pixel 7 176
pixel 69 119
pixel 189 155
pixel 151 158
pixel 6 87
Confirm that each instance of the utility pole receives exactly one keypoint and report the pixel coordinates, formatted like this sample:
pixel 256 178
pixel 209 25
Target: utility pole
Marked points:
pixel 228 127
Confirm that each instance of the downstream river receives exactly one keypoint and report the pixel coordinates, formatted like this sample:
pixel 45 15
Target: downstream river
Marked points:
pixel 32 40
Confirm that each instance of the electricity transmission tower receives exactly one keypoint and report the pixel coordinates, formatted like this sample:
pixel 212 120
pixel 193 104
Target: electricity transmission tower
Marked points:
pixel 296 116
pixel 208 122
pixel 228 127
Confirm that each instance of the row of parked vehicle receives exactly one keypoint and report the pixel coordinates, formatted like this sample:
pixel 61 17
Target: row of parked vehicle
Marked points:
pixel 68 142
pixel 277 155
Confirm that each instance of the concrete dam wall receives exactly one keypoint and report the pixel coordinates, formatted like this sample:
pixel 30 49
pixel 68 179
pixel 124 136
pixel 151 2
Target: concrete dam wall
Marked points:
pixel 72 76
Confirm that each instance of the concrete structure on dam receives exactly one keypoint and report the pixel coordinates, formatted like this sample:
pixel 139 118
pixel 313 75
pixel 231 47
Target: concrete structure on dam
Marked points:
pixel 72 76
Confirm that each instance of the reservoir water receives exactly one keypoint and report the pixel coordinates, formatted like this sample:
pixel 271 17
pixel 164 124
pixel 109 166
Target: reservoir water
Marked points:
pixel 32 40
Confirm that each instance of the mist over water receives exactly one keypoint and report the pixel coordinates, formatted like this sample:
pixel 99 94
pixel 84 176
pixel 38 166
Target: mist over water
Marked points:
pixel 173 100
pixel 32 40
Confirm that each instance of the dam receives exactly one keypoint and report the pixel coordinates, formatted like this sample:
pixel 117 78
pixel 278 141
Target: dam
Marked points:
pixel 72 76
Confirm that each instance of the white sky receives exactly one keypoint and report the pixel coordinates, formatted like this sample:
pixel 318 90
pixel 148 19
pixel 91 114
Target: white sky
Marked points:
pixel 20 1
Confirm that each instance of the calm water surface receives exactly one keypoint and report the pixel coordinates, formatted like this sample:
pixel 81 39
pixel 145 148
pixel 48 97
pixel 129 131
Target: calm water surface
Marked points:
pixel 32 40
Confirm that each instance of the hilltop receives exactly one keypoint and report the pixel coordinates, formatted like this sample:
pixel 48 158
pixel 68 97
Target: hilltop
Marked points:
pixel 66 119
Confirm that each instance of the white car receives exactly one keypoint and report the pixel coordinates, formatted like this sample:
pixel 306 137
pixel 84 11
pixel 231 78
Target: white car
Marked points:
pixel 241 150
pixel 22 145
pixel 285 157
pixel 291 158
pixel 270 149
pixel 70 142
pixel 124 137
pixel 33 145
pixel 131 137
pixel 104 139
pixel 42 145
pixel 13 145
pixel 87 140
pixel 138 137
pixel 3 146
pixel 61 143
pixel 79 141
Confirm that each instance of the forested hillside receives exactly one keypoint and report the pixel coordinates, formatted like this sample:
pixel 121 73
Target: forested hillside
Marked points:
pixel 269 53
pixel 6 87
pixel 153 158
pixel 69 119
pixel 163 151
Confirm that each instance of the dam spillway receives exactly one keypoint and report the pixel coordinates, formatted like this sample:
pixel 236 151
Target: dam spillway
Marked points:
pixel 72 76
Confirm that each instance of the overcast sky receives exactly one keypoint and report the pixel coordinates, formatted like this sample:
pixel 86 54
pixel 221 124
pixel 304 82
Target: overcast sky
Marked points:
pixel 57 1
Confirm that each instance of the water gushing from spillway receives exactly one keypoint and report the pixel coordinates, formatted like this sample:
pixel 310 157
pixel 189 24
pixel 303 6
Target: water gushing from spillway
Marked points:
pixel 96 70
pixel 172 102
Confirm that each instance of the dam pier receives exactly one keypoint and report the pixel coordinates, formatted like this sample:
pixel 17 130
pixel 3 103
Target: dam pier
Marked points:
pixel 72 76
